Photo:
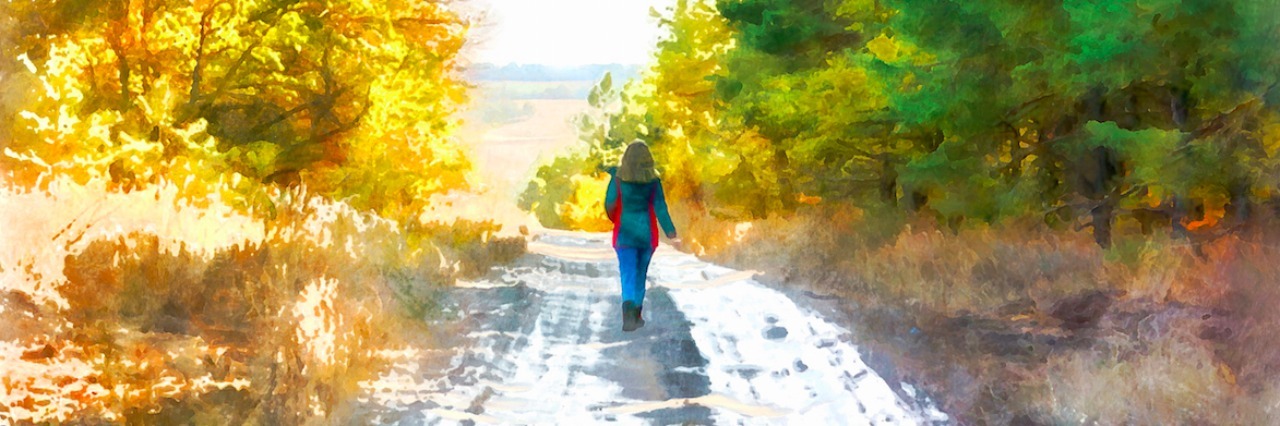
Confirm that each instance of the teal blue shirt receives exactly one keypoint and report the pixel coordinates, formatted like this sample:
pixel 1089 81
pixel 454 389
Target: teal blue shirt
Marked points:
pixel 643 209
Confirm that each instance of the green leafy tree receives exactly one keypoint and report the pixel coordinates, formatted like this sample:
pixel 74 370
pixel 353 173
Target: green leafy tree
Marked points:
pixel 1078 113
pixel 1025 92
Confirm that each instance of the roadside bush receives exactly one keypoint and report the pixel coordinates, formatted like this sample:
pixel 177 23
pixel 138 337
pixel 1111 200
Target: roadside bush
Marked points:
pixel 568 193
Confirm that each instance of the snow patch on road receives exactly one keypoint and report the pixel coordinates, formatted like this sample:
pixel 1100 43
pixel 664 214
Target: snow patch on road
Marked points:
pixel 765 350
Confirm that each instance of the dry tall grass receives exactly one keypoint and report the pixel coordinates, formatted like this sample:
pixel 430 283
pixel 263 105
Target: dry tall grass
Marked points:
pixel 1024 325
pixel 141 307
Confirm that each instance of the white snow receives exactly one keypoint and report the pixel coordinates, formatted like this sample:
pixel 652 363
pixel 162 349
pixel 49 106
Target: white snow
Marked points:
pixel 731 326
pixel 769 360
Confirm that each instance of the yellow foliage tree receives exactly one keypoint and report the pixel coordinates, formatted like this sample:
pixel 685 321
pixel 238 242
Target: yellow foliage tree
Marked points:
pixel 353 100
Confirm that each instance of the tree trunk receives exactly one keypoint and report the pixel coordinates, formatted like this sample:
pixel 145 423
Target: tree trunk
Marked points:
pixel 1178 217
pixel 888 182
pixel 1103 216
pixel 1098 172
pixel 786 188
pixel 1238 205
pixel 119 11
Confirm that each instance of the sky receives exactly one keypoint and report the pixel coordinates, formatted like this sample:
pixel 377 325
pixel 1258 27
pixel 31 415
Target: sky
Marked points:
pixel 565 32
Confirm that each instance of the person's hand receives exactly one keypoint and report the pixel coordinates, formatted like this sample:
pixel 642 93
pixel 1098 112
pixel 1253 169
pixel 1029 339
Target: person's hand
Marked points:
pixel 677 244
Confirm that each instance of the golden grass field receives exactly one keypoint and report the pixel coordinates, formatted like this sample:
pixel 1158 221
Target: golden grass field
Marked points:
pixel 505 157
pixel 507 154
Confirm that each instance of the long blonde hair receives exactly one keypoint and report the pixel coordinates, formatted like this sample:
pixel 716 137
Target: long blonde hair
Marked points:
pixel 637 164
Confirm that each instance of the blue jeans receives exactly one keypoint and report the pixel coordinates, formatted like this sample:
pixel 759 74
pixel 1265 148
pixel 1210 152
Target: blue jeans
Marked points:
pixel 633 264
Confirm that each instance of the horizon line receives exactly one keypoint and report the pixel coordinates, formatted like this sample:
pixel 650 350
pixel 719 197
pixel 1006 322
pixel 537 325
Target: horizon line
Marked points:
pixel 503 64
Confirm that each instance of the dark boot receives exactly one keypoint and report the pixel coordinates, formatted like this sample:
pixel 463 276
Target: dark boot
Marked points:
pixel 639 319
pixel 629 315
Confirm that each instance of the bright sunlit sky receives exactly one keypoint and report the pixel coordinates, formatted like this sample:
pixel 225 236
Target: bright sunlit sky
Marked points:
pixel 565 32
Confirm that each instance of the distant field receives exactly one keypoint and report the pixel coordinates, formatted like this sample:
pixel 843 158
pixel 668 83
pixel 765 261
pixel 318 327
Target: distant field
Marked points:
pixel 511 127
pixel 569 89
pixel 538 72
pixel 514 125
pixel 507 152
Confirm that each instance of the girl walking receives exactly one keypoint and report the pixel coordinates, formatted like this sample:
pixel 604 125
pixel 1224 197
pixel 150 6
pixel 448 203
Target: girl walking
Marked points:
pixel 636 205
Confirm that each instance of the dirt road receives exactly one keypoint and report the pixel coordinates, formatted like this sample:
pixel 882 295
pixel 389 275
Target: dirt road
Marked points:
pixel 541 344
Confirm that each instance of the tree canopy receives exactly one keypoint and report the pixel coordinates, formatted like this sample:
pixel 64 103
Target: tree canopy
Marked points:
pixel 353 100
pixel 1078 113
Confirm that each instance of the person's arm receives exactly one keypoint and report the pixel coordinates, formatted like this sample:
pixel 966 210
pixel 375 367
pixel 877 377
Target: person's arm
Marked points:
pixel 611 196
pixel 660 210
